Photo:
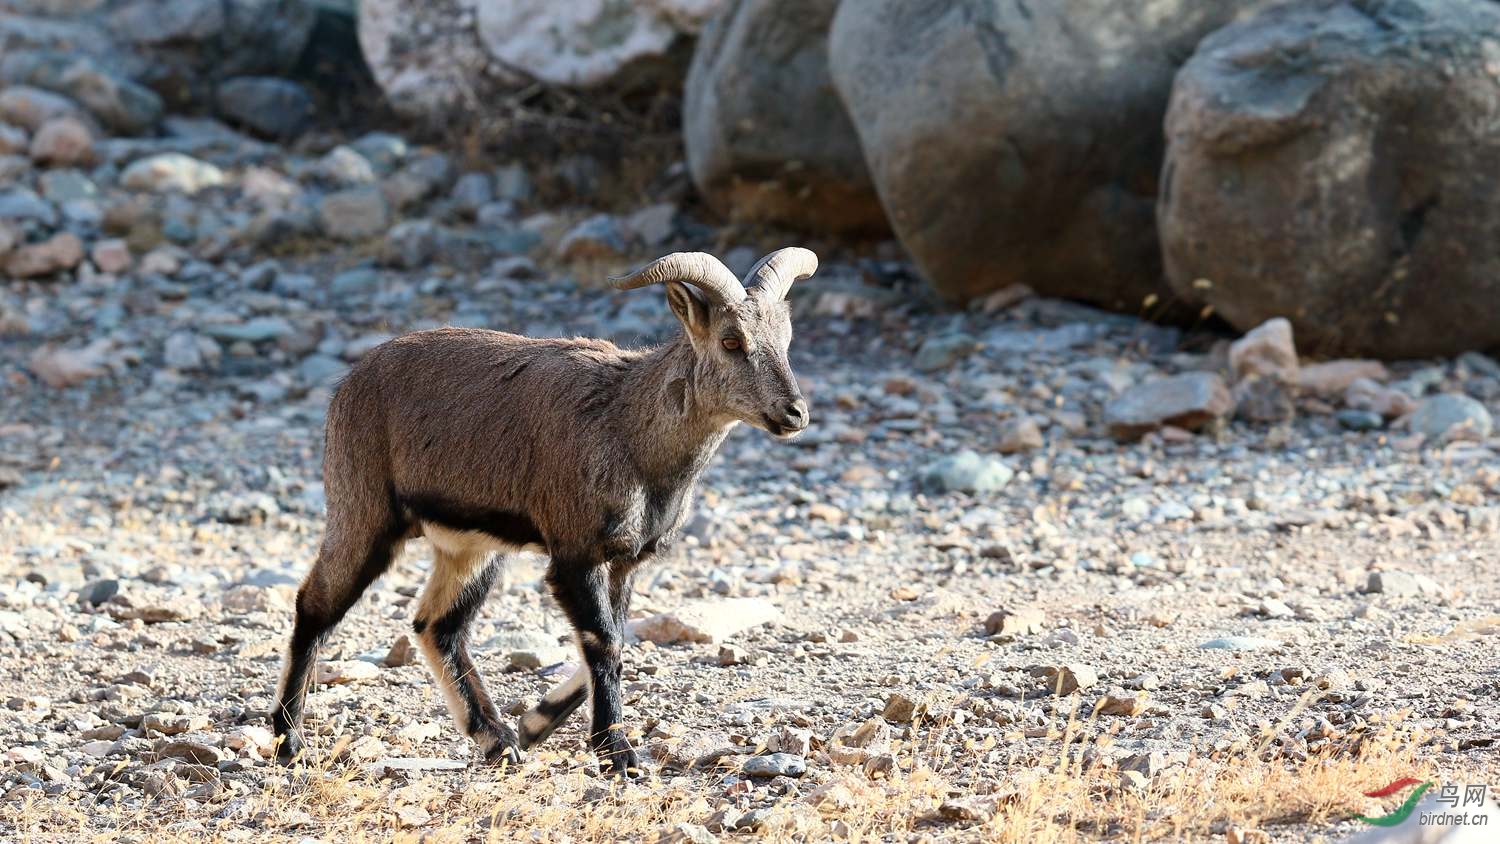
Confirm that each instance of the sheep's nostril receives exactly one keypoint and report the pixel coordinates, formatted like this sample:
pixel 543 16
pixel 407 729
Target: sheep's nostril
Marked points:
pixel 797 413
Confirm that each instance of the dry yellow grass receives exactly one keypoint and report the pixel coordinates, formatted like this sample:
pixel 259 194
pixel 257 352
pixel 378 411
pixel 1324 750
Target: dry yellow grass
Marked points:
pixel 553 798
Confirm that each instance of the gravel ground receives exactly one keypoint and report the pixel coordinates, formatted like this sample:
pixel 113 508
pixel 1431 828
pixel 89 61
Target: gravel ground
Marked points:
pixel 1246 594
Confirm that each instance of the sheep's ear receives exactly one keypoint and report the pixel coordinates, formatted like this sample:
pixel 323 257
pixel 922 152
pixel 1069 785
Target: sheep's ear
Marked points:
pixel 689 306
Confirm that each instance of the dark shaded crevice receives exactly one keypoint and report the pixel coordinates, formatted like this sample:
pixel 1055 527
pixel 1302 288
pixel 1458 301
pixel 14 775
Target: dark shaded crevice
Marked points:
pixel 1413 220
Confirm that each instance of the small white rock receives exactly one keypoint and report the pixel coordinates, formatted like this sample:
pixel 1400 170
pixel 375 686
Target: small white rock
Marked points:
pixel 707 621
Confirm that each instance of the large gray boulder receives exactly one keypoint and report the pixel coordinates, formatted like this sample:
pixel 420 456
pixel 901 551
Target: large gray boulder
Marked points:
pixel 1337 163
pixel 767 137
pixel 1019 142
pixel 437 59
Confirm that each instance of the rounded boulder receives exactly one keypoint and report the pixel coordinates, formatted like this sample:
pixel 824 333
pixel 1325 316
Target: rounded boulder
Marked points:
pixel 1020 142
pixel 1336 163
pixel 467 52
pixel 767 138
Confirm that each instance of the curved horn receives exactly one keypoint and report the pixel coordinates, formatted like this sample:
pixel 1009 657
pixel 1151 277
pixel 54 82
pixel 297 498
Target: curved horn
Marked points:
pixel 776 272
pixel 699 269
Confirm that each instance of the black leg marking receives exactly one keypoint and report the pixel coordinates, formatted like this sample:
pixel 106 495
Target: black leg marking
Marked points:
pixel 448 636
pixel 560 702
pixel 583 590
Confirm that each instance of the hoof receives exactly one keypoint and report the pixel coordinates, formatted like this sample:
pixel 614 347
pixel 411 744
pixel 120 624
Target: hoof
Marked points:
pixel 289 749
pixel 623 764
pixel 503 755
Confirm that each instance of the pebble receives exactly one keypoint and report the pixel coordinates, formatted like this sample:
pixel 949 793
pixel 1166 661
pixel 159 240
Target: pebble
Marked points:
pixel 1331 379
pixel 1120 703
pixel 1266 351
pixel 170 724
pixel 25 204
pixel 62 367
pixel 1401 584
pixel 13 139
pixel 151 608
pixel 1067 679
pixel 693 750
pixel 111 255
pixel 1360 420
pixel 171 171
pixel 62 251
pixel 472 192
pixel 190 751
pixel 321 370
pixel 345 167
pixel 30 108
pixel 248 599
pixel 257 330
pixel 403 652
pixel 1148 764
pixel 1019 433
pixel 967 809
pixel 65 141
pixel 361 346
pixel 269 106
pixel 1273 608
pixel 417 179
pixel 774 765
pixel 383 150
pixel 900 708
pixel 1018 621
pixel 70 189
pixel 968 472
pixel 941 352
pixel 344 671
pixel 1240 643
pixel 708 621
pixel 600 237
pixel 654 225
pixel 1264 399
pixel 794 740
pixel 1367 395
pixel 1451 416
pixel 250 739
pixel 354 214
pixel 529 651
pixel 1188 401
pixel 186 351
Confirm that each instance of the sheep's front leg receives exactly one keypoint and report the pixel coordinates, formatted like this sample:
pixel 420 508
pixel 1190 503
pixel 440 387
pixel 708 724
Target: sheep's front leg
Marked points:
pixel 582 588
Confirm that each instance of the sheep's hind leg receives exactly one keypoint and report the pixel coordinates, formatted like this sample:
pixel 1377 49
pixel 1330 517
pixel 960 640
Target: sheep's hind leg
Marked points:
pixel 555 707
pixel 454 593
pixel 343 571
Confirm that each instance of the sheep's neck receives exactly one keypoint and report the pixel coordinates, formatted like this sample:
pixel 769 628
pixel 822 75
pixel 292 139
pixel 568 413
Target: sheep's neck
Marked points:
pixel 674 435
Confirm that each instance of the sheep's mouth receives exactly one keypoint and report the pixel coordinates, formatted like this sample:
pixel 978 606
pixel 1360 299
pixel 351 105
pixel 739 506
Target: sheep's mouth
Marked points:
pixel 778 430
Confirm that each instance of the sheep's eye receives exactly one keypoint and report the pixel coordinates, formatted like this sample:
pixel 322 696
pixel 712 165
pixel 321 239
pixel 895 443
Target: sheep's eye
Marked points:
pixel 731 344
